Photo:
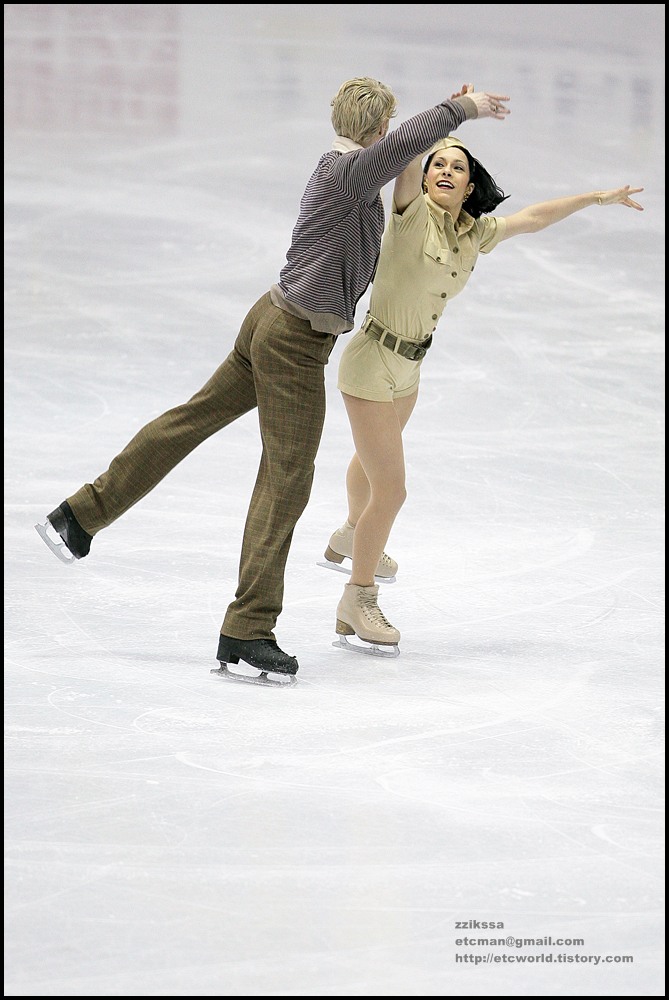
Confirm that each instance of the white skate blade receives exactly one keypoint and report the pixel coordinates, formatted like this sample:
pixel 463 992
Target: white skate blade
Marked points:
pixel 358 645
pixel 59 547
pixel 339 568
pixel 261 677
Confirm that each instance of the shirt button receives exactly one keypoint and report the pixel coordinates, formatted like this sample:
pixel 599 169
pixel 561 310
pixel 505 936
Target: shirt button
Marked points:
pixel 435 317
pixel 454 274
pixel 456 249
pixel 439 260
pixel 443 295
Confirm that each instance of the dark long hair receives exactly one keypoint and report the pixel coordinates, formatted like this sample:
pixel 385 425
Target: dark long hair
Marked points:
pixel 486 195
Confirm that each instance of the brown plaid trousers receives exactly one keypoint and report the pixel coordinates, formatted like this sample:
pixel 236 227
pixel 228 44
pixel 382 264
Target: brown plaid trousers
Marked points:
pixel 277 364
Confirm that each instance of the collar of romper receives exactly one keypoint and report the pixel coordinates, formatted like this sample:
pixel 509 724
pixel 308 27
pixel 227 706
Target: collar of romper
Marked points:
pixel 342 144
pixel 465 220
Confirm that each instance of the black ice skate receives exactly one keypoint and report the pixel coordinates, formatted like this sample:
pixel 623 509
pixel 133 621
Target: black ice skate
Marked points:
pixel 75 543
pixel 277 669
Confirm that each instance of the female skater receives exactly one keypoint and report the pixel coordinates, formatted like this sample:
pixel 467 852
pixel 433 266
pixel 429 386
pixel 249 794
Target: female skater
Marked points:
pixel 437 229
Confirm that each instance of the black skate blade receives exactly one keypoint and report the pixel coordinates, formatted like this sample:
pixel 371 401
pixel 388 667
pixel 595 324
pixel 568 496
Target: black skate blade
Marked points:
pixel 370 648
pixel 243 674
pixel 338 568
pixel 58 548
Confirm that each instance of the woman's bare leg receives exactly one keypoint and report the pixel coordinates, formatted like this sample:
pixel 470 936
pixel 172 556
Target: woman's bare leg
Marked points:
pixel 375 479
pixel 357 490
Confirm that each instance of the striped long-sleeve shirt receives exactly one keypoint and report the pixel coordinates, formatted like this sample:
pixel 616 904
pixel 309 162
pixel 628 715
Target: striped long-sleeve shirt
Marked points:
pixel 337 237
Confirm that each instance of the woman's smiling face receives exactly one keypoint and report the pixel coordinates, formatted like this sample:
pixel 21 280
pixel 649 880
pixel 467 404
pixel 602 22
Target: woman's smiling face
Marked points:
pixel 447 179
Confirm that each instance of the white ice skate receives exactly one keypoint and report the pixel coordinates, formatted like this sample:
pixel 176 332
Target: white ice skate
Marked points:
pixel 361 625
pixel 340 547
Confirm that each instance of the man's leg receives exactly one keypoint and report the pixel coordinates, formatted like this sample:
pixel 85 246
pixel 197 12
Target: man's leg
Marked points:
pixel 288 360
pixel 164 442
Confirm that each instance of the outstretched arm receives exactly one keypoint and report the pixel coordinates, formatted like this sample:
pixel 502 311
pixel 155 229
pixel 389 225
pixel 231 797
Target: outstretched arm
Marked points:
pixel 547 213
pixel 409 183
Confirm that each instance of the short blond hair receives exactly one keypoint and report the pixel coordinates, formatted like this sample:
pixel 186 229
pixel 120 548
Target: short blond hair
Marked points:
pixel 361 107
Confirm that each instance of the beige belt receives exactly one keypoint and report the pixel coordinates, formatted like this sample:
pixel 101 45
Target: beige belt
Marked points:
pixel 398 345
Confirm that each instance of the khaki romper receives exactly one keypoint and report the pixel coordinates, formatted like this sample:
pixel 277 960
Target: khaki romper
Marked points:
pixel 425 261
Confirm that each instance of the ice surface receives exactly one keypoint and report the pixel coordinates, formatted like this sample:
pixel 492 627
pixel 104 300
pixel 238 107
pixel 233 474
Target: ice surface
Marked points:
pixel 168 834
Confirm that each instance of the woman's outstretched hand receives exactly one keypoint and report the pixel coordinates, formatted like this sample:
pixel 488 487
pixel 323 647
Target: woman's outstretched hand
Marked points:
pixel 620 196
